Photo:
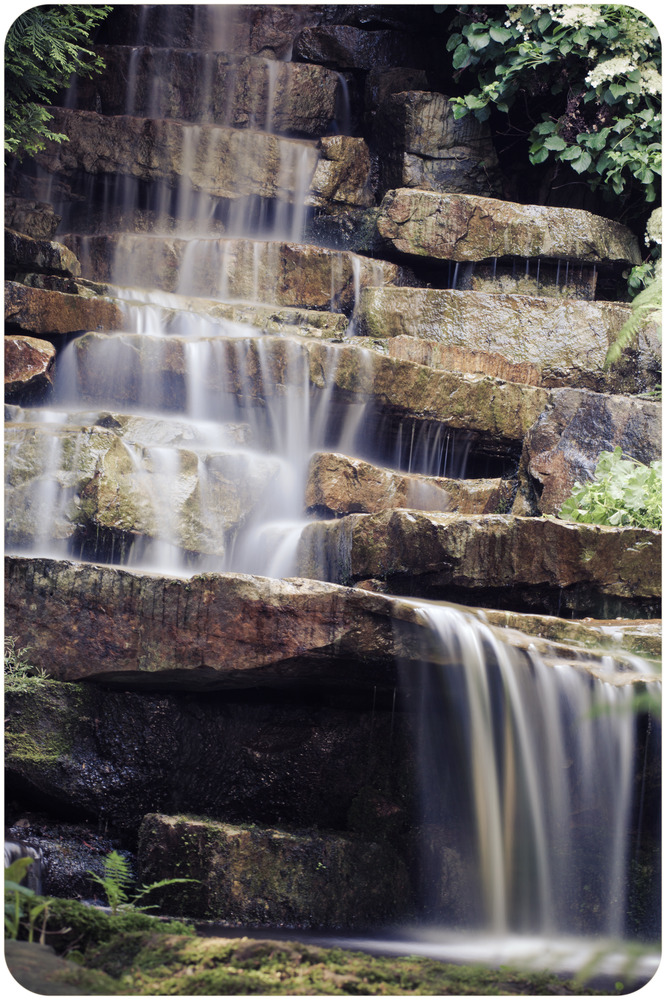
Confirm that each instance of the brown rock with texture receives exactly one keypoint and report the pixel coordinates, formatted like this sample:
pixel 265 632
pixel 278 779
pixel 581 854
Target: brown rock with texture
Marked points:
pixel 492 559
pixel 25 254
pixel 340 485
pixel 565 443
pixel 213 630
pixel 38 310
pixel 28 368
pixel 279 273
pixel 463 227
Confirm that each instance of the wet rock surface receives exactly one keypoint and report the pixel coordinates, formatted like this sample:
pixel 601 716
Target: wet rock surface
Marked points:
pixel 265 876
pixel 544 564
pixel 464 228
pixel 527 331
pixel 28 369
pixel 40 311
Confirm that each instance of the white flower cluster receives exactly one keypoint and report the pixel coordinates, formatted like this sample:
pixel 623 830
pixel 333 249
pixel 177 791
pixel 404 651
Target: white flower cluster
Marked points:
pixel 653 229
pixel 619 66
pixel 575 15
pixel 609 69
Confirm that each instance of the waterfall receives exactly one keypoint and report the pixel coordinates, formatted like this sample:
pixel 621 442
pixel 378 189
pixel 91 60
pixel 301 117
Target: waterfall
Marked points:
pixel 526 786
pixel 526 766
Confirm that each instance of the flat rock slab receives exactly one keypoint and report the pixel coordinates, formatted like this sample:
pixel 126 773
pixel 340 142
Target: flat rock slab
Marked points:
pixel 340 485
pixel 528 331
pixel 462 227
pixel 42 311
pixel 257 369
pixel 82 620
pixel 521 563
pixel 264 876
pixel 253 271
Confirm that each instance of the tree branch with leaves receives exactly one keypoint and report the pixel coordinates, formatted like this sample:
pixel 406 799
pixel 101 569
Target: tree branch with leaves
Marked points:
pixel 43 48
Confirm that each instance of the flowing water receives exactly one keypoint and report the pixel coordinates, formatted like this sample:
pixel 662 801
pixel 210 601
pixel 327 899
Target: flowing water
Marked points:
pixel 527 769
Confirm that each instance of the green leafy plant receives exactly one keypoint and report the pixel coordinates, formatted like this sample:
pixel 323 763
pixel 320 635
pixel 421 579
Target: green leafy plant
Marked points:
pixel 622 492
pixel 43 48
pixel 22 906
pixel 589 75
pixel 117 880
pixel 20 675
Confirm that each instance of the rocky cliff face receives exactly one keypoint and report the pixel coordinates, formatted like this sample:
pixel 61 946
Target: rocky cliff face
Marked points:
pixel 280 322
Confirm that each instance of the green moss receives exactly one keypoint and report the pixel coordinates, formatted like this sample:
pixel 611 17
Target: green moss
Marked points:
pixel 166 965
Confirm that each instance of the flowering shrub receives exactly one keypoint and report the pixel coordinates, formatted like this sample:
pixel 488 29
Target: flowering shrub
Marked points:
pixel 591 75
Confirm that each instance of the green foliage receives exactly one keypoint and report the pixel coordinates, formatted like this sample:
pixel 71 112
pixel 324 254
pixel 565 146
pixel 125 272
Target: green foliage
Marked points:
pixel 623 492
pixel 43 48
pixel 645 309
pixel 22 906
pixel 117 880
pixel 590 76
pixel 20 676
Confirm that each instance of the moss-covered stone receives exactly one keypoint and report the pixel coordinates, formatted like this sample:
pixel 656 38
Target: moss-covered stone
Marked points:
pixel 259 875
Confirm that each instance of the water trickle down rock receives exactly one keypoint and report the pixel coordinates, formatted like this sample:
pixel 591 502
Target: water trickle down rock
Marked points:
pixel 213 206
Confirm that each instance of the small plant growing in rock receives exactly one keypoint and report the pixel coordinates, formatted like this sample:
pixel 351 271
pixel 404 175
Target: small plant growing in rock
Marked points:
pixel 117 880
pixel 20 675
pixel 22 905
pixel 623 492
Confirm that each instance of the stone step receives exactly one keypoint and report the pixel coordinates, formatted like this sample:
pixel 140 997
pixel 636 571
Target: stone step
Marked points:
pixel 121 483
pixel 117 370
pixel 339 485
pixel 460 227
pixel 208 160
pixel 532 336
pixel 223 630
pixel 251 271
pixel 526 563
pixel 215 87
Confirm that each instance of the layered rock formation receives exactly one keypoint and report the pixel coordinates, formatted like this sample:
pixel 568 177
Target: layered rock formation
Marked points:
pixel 399 409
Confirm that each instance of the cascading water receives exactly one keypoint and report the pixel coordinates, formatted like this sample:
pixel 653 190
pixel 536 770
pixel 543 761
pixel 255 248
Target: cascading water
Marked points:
pixel 215 413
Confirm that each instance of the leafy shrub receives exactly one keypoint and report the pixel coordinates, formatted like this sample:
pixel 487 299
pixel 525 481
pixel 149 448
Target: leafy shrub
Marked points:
pixel 623 492
pixel 590 76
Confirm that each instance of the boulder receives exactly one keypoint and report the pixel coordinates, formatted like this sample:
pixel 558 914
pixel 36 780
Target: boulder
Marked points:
pixel 422 145
pixel 40 311
pixel 538 564
pixel 463 227
pixel 263 876
pixel 340 485
pixel 531 332
pixel 28 369
pixel 343 175
pixel 564 445
pixel 23 254
pixel 36 219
